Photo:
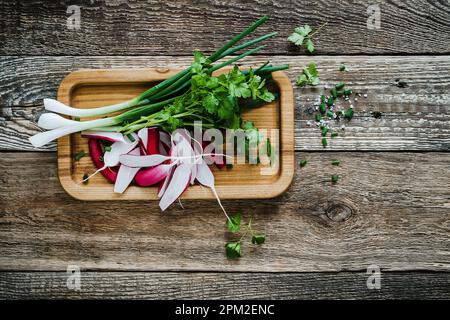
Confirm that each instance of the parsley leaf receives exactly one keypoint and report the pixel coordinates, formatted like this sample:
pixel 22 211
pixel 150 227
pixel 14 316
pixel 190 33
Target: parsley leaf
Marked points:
pixel 233 250
pixel 309 76
pixel 304 33
pixel 258 239
pixel 234 223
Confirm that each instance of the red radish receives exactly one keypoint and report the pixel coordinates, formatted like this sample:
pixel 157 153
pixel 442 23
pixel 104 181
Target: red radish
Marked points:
pixel 150 176
pixel 119 148
pixel 95 152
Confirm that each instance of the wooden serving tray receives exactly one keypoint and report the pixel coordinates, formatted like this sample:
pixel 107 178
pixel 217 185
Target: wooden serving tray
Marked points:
pixel 91 88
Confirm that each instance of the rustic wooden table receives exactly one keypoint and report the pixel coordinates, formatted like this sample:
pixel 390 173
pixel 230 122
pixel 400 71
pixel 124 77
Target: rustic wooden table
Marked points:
pixel 391 208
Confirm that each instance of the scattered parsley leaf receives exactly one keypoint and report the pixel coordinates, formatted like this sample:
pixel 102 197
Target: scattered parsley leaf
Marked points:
pixel 324 131
pixel 303 33
pixel 303 163
pixel 258 239
pixel 309 76
pixel 233 250
pixel 310 46
pixel 234 223
pixel 342 67
pixel 107 148
pixel 79 155
pixel 334 134
pixel 334 178
pixel 324 142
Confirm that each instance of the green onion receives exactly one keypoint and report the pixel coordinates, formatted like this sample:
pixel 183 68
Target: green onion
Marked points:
pixel 334 134
pixel 330 101
pixel 318 117
pixel 335 162
pixel 333 93
pixel 340 86
pixel 324 131
pixel 348 92
pixel 324 142
pixel 322 108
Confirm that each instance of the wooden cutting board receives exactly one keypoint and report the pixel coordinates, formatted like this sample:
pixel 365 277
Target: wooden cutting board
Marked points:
pixel 91 88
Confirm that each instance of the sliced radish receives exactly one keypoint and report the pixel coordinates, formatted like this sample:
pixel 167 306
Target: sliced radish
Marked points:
pixel 95 152
pixel 163 185
pixel 143 161
pixel 126 175
pixel 153 175
pixel 177 185
pixel 119 148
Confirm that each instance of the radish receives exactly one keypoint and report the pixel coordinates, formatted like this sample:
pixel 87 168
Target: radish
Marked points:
pixel 206 178
pixel 177 185
pixel 218 160
pixel 95 152
pixel 119 148
pixel 143 161
pixel 126 175
pixel 150 176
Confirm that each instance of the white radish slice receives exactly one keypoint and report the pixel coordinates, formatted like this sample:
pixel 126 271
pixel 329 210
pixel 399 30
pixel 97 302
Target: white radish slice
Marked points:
pixel 176 187
pixel 105 135
pixel 111 158
pixel 162 149
pixel 206 178
pixel 164 137
pixel 143 136
pixel 52 121
pixel 166 182
pixel 125 175
pixel 143 161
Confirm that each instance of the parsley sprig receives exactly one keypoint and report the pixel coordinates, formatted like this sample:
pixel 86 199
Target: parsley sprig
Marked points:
pixel 303 33
pixel 233 249
pixel 309 76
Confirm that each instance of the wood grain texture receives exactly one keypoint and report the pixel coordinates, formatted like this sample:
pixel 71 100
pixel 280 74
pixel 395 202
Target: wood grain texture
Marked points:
pixel 388 209
pixel 416 117
pixel 157 28
pixel 171 285
pixel 90 88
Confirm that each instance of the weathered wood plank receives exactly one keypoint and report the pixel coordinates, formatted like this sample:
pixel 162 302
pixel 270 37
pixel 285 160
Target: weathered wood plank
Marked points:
pixel 388 209
pixel 412 118
pixel 171 285
pixel 156 28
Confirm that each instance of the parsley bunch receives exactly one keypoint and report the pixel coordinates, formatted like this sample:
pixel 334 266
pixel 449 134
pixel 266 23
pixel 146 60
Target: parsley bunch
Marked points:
pixel 216 101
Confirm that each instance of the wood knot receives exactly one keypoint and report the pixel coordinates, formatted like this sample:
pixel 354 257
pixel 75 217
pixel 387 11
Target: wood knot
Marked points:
pixel 339 211
pixel 162 70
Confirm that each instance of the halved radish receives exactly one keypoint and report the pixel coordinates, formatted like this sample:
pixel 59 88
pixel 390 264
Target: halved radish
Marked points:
pixel 126 175
pixel 96 154
pixel 177 185
pixel 142 161
pixel 150 176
